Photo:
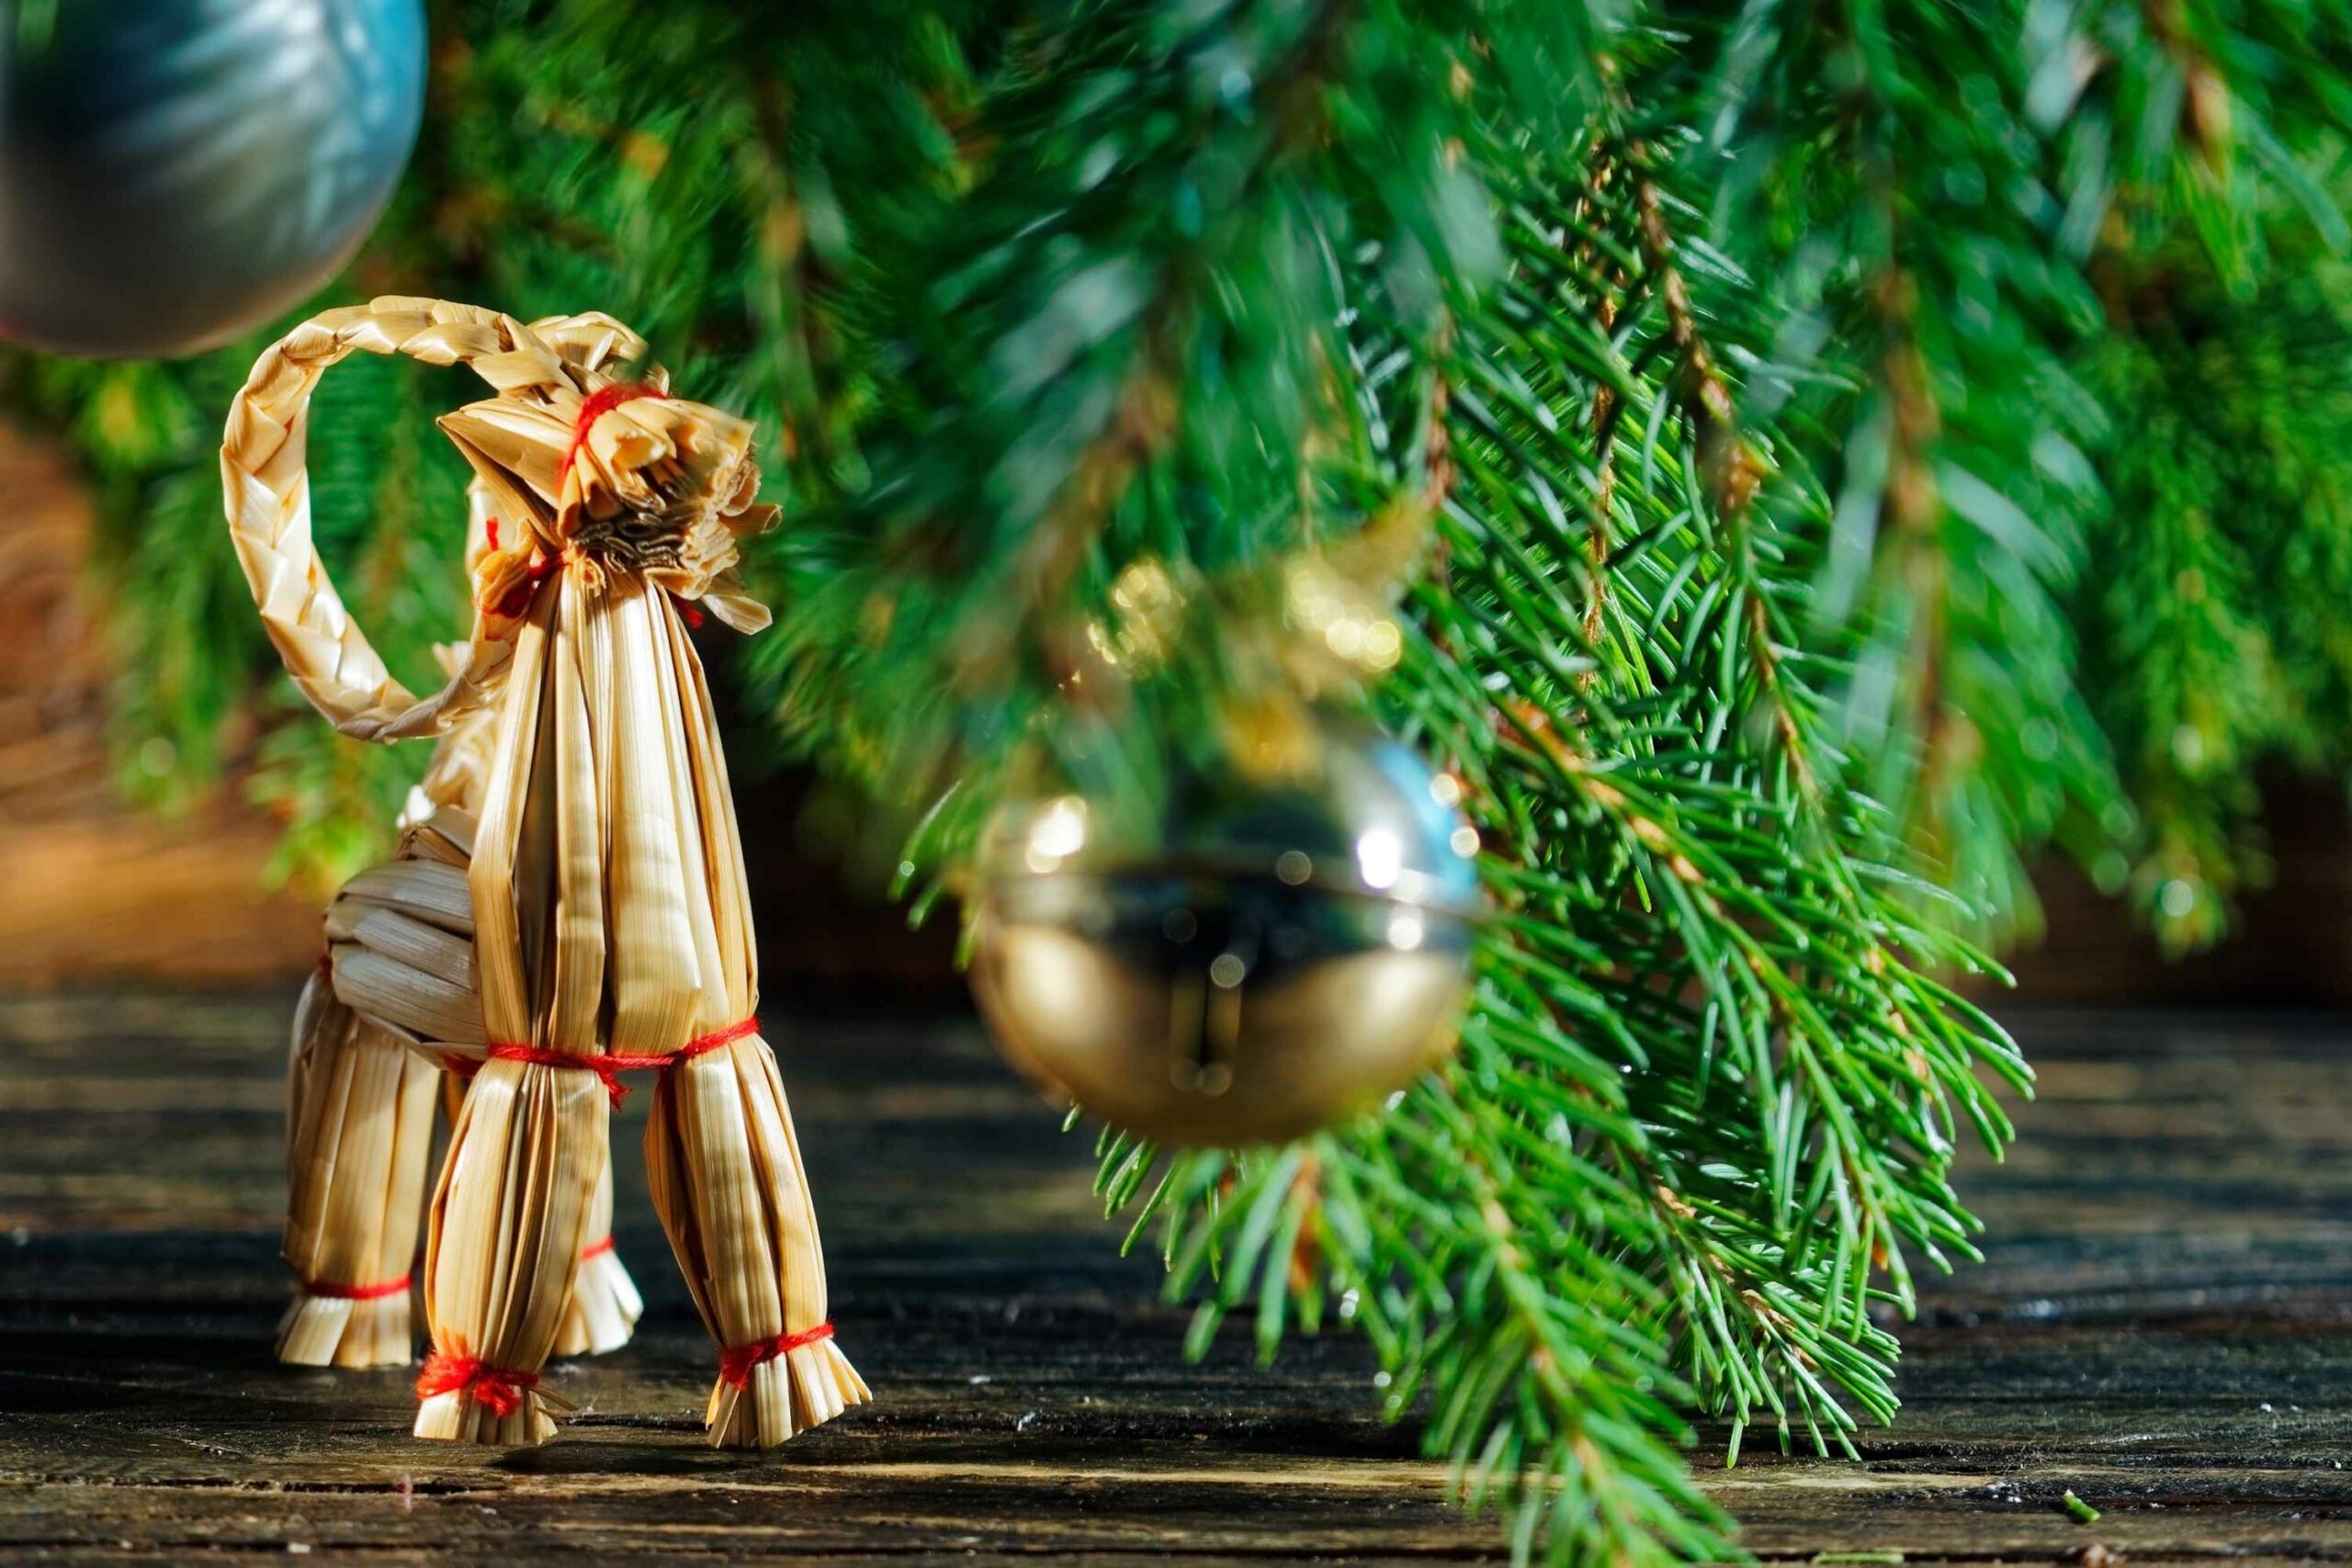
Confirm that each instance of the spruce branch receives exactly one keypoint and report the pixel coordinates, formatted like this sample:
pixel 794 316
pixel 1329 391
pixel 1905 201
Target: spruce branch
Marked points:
pixel 1764 1183
pixel 1957 531
pixel 1648 830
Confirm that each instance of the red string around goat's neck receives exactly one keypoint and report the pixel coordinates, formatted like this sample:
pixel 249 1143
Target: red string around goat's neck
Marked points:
pixel 517 601
pixel 735 1362
pixel 497 1389
pixel 595 406
pixel 330 1290
pixel 611 1065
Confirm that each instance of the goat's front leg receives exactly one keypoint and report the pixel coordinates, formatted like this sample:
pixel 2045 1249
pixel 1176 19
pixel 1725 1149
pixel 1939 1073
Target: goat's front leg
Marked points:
pixel 605 1304
pixel 514 1208
pixel 725 1170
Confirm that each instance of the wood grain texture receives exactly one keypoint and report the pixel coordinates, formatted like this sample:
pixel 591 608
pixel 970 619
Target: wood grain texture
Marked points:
pixel 2164 1323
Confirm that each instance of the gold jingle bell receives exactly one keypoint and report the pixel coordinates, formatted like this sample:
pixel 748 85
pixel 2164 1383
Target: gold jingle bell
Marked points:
pixel 1252 963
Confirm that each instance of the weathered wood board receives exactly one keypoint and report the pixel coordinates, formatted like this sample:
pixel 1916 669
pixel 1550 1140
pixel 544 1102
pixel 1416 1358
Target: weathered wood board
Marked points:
pixel 2164 1323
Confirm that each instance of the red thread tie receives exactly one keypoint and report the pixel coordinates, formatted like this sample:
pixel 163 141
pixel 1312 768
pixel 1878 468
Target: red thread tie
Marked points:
pixel 717 1039
pixel 595 406
pixel 495 1388
pixel 735 1362
pixel 605 1068
pixel 597 1250
pixel 331 1291
pixel 611 1065
pixel 517 601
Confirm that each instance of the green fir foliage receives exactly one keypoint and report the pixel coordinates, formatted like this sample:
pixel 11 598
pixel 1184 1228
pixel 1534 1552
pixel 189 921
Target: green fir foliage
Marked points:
pixel 1817 458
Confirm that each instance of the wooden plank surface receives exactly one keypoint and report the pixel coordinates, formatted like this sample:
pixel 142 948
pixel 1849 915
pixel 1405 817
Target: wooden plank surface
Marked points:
pixel 2164 1323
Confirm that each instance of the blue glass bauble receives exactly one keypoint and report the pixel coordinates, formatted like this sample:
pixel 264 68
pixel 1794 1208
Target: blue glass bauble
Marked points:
pixel 173 173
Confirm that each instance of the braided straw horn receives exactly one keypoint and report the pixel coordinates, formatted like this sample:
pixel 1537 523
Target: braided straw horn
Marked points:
pixel 264 481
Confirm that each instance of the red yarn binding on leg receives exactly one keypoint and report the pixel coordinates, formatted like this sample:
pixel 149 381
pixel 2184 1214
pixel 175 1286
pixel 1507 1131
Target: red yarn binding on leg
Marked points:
pixel 497 1389
pixel 603 1066
pixel 716 1040
pixel 735 1362
pixel 597 1250
pixel 330 1290
pixel 609 1066
pixel 700 1044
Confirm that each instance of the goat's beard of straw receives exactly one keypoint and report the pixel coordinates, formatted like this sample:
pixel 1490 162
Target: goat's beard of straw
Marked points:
pixel 672 522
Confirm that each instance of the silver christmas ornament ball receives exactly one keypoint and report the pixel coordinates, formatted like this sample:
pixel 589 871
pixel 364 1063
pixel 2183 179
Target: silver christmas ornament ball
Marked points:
pixel 173 173
pixel 1255 963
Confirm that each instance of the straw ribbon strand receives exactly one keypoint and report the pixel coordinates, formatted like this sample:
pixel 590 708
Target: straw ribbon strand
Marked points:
pixel 497 1389
pixel 735 1362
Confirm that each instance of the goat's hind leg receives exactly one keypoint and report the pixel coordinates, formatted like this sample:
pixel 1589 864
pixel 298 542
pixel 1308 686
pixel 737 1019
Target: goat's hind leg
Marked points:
pixel 605 1301
pixel 359 1129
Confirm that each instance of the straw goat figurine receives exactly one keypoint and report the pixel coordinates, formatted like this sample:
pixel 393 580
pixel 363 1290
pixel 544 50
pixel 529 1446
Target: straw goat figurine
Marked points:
pixel 568 905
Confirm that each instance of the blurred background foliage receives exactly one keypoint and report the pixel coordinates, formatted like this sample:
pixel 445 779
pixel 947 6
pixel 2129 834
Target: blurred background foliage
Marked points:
pixel 1790 465
pixel 2045 299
